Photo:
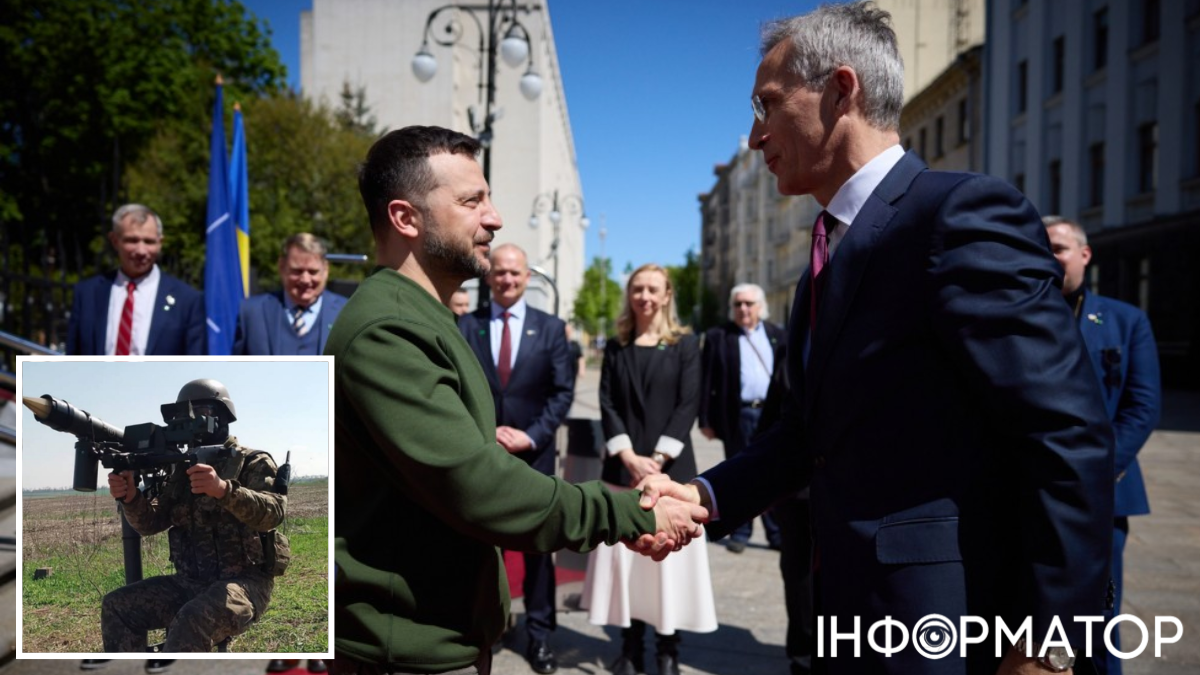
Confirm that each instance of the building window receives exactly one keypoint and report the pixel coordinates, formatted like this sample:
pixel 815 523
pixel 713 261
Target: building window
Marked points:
pixel 1022 85
pixel 1060 56
pixel 1054 181
pixel 1019 182
pixel 1150 15
pixel 1100 38
pixel 1147 157
pixel 1096 174
pixel 939 136
pixel 964 122
pixel 921 143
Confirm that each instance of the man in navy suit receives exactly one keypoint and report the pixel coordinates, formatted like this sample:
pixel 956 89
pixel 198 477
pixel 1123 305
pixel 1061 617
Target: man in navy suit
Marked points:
pixel 1124 354
pixel 136 309
pixel 533 391
pixel 297 319
pixel 741 358
pixel 943 408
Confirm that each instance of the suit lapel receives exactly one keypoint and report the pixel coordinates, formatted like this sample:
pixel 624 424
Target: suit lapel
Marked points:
pixel 158 315
pixel 530 340
pixel 102 298
pixel 274 318
pixel 628 359
pixel 846 268
pixel 480 339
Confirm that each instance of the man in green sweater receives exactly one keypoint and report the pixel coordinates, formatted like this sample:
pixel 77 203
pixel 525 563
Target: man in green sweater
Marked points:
pixel 425 494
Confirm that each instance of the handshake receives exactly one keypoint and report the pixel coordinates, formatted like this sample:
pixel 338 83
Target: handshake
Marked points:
pixel 679 518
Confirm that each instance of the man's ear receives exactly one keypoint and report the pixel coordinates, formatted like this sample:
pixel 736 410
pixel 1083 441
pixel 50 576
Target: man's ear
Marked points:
pixel 844 82
pixel 405 218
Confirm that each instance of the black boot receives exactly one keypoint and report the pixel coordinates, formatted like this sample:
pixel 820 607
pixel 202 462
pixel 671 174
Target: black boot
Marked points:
pixel 282 665
pixel 667 648
pixel 317 666
pixel 633 659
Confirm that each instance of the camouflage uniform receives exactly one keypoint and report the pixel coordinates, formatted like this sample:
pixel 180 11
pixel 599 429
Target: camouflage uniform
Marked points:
pixel 218 587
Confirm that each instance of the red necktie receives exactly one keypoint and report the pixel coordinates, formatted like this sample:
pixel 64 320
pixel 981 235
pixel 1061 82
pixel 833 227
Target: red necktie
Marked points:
pixel 504 363
pixel 819 256
pixel 125 332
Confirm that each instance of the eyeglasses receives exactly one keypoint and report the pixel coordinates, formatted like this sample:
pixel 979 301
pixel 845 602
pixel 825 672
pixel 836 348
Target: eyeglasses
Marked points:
pixel 745 303
pixel 759 108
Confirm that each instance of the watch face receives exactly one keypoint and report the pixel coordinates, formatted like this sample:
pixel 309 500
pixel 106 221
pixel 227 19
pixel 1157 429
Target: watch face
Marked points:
pixel 1059 658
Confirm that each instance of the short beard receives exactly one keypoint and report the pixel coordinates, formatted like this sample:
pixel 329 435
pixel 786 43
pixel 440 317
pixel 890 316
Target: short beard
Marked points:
pixel 451 260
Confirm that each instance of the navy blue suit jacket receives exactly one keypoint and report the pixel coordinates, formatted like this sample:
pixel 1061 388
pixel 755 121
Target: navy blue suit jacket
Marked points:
pixel 949 422
pixel 263 328
pixel 721 383
pixel 176 329
pixel 541 386
pixel 1122 348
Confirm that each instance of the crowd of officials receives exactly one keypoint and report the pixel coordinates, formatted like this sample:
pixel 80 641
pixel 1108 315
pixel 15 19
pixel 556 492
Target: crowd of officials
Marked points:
pixel 930 377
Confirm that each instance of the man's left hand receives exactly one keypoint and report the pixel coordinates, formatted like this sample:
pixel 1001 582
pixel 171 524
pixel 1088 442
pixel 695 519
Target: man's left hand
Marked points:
pixel 205 481
pixel 513 440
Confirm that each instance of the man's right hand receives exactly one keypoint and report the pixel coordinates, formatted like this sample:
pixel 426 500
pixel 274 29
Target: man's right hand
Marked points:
pixel 121 487
pixel 677 523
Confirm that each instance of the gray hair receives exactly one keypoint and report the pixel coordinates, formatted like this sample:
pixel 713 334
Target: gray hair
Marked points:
pixel 759 296
pixel 308 243
pixel 858 35
pixel 138 214
pixel 1080 235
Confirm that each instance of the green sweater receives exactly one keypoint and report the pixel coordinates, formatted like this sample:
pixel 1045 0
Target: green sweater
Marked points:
pixel 425 495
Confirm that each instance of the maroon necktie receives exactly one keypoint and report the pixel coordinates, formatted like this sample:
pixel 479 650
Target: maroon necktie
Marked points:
pixel 125 331
pixel 819 256
pixel 504 363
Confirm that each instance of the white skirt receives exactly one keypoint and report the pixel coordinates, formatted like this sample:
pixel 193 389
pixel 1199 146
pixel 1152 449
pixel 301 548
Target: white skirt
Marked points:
pixel 675 594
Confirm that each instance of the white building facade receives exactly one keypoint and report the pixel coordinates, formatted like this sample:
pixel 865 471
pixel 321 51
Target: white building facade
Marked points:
pixel 1093 110
pixel 371 44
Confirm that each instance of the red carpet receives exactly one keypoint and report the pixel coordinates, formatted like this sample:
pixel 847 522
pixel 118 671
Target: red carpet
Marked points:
pixel 514 565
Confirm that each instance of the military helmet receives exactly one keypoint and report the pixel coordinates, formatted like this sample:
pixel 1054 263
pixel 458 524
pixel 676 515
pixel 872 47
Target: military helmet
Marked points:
pixel 208 390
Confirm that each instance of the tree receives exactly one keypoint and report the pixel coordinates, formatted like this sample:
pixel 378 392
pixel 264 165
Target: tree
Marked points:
pixel 354 113
pixel 696 304
pixel 302 166
pixel 598 297
pixel 88 83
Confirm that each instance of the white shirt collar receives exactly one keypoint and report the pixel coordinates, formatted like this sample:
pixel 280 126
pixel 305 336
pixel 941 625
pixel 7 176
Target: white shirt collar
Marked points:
pixel 517 310
pixel 849 199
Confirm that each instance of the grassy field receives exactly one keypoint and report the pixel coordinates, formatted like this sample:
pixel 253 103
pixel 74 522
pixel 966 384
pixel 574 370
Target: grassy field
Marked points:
pixel 80 537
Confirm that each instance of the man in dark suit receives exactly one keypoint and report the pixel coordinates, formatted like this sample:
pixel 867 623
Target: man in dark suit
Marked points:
pixel 943 408
pixel 136 309
pixel 1124 354
pixel 297 319
pixel 740 360
pixel 524 354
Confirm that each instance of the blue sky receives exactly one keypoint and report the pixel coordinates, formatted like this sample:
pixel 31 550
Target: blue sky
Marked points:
pixel 281 406
pixel 658 92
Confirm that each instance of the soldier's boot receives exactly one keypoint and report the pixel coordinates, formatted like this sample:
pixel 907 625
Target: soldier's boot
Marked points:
pixel 317 666
pixel 282 665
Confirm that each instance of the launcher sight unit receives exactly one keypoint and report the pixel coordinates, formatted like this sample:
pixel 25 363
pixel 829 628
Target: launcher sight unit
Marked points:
pixel 152 452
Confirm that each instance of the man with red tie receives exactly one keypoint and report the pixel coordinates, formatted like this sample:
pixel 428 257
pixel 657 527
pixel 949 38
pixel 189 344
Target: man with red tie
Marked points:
pixel 136 310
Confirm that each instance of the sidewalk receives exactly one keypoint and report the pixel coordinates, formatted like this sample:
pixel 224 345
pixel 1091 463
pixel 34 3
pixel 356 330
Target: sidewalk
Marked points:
pixel 1162 573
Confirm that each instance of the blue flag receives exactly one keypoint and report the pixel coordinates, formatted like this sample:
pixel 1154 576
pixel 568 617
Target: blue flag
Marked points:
pixel 222 269
pixel 239 194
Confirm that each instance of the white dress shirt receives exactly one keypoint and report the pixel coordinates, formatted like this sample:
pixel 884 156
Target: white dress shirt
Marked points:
pixel 143 311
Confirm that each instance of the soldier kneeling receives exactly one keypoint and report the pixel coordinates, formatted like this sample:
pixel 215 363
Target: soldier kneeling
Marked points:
pixel 217 515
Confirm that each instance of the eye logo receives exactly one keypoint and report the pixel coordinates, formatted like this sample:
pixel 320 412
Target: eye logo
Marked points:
pixel 934 636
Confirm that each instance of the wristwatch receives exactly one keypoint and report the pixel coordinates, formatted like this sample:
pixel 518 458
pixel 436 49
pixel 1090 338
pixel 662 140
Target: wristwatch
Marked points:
pixel 1056 660
pixel 661 457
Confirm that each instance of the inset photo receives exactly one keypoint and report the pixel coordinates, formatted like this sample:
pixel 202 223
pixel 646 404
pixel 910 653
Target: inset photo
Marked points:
pixel 171 505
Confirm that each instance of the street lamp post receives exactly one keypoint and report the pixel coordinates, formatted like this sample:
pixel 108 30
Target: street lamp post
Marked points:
pixel 549 202
pixel 502 18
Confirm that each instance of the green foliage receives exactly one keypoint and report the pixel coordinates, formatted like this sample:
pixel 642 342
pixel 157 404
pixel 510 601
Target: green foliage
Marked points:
pixel 696 304
pixel 87 83
pixel 302 166
pixel 599 296
pixel 354 113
